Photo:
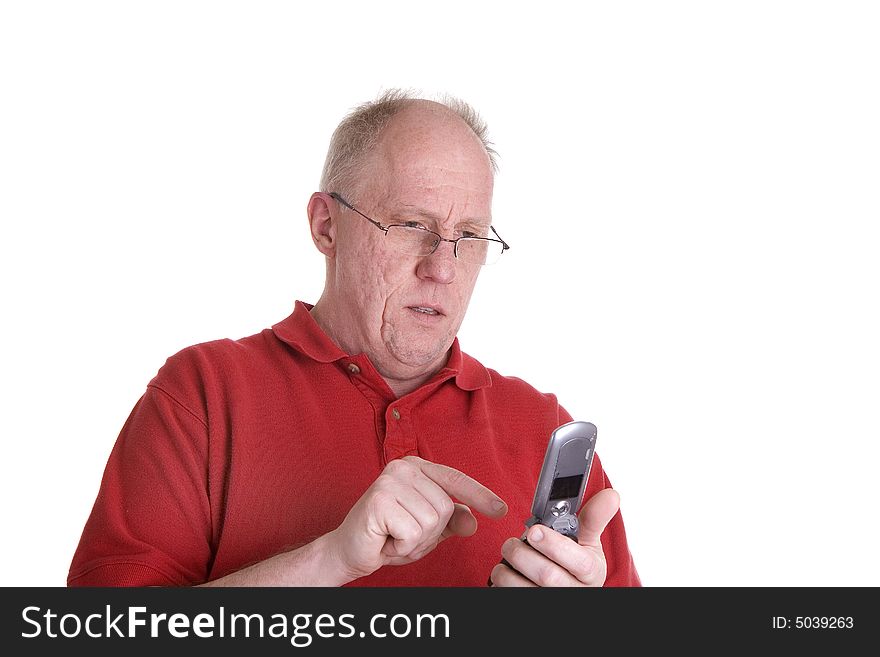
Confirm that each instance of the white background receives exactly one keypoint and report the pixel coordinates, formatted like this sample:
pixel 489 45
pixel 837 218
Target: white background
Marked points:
pixel 690 190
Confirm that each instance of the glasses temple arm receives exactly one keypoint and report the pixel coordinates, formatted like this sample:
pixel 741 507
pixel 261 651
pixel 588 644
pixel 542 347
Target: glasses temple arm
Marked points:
pixel 506 245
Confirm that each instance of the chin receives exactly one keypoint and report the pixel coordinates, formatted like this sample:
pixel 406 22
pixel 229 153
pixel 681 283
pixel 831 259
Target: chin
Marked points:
pixel 418 356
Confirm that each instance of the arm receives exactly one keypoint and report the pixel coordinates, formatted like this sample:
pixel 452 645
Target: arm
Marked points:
pixel 309 565
pixel 402 517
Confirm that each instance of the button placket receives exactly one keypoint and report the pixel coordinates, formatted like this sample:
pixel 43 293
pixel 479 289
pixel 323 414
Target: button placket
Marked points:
pixel 399 437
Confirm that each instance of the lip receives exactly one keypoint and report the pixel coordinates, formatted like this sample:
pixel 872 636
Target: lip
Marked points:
pixel 427 304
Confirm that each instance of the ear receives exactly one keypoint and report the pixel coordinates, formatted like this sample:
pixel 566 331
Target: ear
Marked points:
pixel 322 222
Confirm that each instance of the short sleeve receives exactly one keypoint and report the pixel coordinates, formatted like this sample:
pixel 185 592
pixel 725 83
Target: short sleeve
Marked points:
pixel 151 521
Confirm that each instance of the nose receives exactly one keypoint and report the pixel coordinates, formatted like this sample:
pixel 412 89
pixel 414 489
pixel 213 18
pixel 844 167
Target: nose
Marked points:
pixel 438 267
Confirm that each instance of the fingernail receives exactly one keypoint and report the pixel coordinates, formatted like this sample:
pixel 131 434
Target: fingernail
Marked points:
pixel 536 535
pixel 498 505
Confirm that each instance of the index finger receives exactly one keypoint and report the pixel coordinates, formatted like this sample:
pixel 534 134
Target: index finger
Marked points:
pixel 465 489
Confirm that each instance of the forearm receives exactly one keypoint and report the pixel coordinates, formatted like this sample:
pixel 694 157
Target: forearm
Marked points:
pixel 313 564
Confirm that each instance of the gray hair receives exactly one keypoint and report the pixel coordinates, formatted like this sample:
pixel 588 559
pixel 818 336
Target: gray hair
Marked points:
pixel 359 131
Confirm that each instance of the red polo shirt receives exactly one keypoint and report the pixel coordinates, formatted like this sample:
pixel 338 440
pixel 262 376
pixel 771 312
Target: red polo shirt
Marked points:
pixel 239 450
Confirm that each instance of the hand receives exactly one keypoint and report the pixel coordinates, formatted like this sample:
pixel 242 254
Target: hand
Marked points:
pixel 406 512
pixel 551 559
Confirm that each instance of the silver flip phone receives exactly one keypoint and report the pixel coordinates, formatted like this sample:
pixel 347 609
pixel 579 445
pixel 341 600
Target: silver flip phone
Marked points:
pixel 564 477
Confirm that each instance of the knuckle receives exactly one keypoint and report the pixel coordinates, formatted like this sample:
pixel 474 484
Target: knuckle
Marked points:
pixel 380 498
pixel 445 509
pixel 585 566
pixel 431 520
pixel 455 478
pixel 550 575
pixel 396 467
pixel 405 468
pixel 411 535
pixel 383 480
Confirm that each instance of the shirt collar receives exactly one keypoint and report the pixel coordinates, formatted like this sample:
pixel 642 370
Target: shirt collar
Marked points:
pixel 302 333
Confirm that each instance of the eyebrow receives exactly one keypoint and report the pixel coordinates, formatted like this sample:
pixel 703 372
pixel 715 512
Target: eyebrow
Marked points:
pixel 412 211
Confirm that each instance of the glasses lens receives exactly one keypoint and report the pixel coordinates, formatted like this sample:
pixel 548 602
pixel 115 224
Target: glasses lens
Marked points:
pixel 412 241
pixel 420 242
pixel 479 251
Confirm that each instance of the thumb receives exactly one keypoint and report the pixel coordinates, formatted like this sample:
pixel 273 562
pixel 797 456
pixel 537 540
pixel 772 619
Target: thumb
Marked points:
pixel 462 523
pixel 595 516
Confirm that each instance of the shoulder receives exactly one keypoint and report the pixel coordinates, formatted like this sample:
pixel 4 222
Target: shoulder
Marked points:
pixel 503 383
pixel 516 386
pixel 517 394
pixel 216 360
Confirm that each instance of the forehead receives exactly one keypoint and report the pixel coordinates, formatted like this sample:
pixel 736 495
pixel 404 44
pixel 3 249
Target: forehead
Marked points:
pixel 429 161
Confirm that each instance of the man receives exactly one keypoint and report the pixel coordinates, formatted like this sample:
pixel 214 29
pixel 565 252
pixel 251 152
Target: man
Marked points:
pixel 354 443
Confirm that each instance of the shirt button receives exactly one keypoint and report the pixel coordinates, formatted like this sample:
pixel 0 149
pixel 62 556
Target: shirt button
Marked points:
pixel 354 369
pixel 396 414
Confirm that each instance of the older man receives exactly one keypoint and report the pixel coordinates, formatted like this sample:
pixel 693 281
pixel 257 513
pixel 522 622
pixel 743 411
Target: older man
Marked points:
pixel 354 442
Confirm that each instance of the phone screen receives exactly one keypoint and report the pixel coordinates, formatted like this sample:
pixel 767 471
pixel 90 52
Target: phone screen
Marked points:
pixel 565 487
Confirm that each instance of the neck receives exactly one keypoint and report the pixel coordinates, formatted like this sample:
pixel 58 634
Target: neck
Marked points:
pixel 401 387
pixel 401 383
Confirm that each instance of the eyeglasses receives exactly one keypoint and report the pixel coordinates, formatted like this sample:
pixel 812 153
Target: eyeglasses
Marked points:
pixel 416 240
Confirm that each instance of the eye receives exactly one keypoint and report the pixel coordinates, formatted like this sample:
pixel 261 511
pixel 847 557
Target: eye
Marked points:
pixel 414 224
pixel 473 231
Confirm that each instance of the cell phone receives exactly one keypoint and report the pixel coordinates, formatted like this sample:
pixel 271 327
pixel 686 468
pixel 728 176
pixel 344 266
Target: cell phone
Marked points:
pixel 563 477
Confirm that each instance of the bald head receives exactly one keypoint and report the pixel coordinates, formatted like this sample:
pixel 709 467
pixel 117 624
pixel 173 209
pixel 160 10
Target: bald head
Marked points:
pixel 427 145
pixel 359 133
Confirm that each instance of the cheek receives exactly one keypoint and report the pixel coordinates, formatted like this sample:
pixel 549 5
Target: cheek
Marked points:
pixel 356 256
pixel 369 275
pixel 468 283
